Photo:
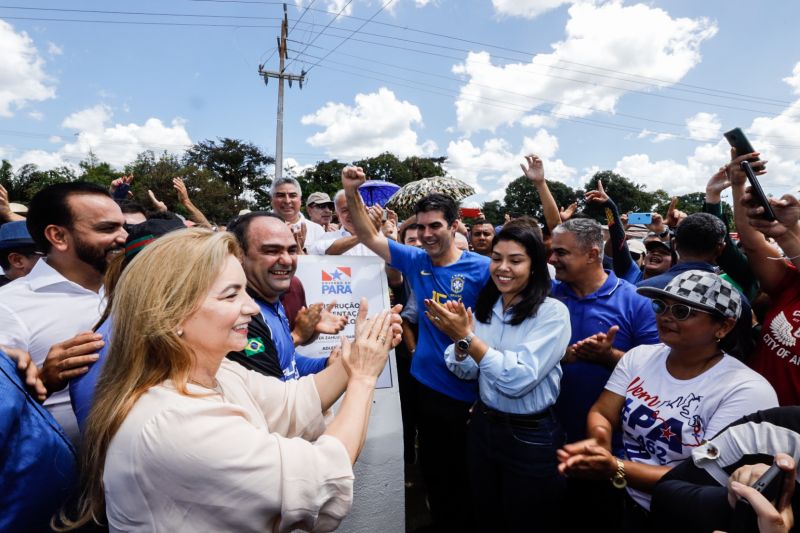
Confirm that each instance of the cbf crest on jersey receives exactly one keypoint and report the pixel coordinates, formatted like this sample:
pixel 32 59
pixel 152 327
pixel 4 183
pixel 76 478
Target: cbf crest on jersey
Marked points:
pixel 457 284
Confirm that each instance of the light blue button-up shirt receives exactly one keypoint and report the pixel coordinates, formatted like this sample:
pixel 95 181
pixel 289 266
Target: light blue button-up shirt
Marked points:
pixel 520 372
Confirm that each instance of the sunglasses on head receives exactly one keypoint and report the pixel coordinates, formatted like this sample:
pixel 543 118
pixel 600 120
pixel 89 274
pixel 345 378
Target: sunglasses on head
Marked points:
pixel 679 312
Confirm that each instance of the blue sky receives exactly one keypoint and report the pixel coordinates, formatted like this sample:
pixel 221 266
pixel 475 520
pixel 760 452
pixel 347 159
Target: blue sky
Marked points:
pixel 641 88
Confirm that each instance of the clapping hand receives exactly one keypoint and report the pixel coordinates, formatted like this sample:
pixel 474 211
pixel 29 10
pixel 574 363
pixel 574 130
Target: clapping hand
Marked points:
pixel 597 348
pixel 159 205
pixel 180 188
pixel 451 318
pixel 586 459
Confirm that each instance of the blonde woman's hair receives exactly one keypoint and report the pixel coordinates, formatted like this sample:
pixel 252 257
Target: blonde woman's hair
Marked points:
pixel 163 285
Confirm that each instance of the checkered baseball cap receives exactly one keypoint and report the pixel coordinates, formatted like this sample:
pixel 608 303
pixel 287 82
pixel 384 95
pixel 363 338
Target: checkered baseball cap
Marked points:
pixel 700 289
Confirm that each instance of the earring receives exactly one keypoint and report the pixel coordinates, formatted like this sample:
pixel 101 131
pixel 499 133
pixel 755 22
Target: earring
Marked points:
pixel 180 333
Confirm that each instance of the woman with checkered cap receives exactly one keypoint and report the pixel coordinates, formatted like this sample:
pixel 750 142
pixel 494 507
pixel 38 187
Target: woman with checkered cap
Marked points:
pixel 669 398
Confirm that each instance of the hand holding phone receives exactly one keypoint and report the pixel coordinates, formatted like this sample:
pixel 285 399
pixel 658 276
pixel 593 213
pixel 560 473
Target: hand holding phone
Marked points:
pixel 737 139
pixel 771 485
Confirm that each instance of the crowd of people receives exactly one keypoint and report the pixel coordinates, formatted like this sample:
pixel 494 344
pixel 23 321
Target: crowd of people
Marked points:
pixel 554 375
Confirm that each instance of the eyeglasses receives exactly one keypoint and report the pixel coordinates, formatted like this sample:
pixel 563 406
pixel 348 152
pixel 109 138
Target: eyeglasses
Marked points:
pixel 680 312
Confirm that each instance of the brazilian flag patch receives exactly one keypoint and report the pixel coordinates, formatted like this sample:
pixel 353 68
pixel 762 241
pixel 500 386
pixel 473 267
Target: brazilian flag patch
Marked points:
pixel 254 346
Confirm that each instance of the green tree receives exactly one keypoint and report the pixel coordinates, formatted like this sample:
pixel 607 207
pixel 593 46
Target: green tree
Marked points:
pixel 629 196
pixel 325 176
pixel 28 180
pixel 493 211
pixel 96 171
pixel 386 167
pixel 522 198
pixel 241 165
pixel 423 167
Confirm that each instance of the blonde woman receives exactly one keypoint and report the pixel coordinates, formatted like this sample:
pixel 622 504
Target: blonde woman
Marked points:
pixel 181 439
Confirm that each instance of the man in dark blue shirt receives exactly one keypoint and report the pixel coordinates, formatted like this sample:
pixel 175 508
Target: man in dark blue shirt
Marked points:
pixel 270 261
pixel 441 272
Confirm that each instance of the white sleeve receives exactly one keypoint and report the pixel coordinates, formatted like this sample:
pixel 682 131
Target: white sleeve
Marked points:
pixel 291 408
pixel 621 376
pixel 213 459
pixel 13 332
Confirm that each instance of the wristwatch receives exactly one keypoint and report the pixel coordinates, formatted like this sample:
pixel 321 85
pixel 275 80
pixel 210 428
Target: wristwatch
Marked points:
pixel 618 479
pixel 464 344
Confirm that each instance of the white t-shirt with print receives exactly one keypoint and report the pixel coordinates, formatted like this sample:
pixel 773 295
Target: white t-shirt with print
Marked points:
pixel 664 418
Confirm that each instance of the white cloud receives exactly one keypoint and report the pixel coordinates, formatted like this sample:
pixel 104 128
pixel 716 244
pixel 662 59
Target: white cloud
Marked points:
pixel 495 164
pixel 54 50
pixel 704 126
pixel 526 8
pixel 378 122
pixel 775 137
pixel 639 40
pixel 657 137
pixel 36 115
pixel 23 77
pixel 115 143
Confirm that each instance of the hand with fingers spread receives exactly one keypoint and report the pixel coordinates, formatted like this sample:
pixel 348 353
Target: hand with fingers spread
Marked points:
pixel 366 357
pixel 70 359
pixel 158 204
pixel 597 348
pixel 535 169
pixel 180 189
pixel 329 322
pixel 305 323
pixel 716 185
pixel 28 371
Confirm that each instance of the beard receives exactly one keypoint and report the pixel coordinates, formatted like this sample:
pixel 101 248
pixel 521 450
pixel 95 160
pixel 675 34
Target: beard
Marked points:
pixel 93 256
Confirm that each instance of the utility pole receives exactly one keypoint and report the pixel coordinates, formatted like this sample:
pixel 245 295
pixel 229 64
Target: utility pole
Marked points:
pixel 281 75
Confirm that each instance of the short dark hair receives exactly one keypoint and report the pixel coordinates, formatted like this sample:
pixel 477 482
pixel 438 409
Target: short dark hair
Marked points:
pixel 700 234
pixel 5 264
pixel 51 206
pixel 482 222
pixel 240 225
pixel 539 283
pixel 438 202
pixel 528 222
pixel 131 206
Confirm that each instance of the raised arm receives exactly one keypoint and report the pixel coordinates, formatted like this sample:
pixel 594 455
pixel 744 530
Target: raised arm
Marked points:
pixel 352 178
pixel 770 272
pixel 731 260
pixel 183 197
pixel 785 230
pixel 6 215
pixel 621 255
pixel 535 173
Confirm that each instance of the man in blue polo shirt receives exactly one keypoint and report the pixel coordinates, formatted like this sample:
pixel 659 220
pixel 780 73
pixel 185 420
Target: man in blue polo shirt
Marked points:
pixel 439 272
pixel 608 319
pixel 270 261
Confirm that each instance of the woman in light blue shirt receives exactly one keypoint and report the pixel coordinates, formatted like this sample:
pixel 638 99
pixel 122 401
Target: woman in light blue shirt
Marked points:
pixel 513 348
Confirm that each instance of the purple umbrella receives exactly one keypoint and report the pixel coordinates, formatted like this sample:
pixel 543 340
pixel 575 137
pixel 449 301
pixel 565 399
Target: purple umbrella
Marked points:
pixel 377 192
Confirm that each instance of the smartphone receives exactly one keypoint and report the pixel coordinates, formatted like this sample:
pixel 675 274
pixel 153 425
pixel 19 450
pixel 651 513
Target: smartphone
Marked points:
pixel 640 218
pixel 770 485
pixel 737 139
pixel 470 212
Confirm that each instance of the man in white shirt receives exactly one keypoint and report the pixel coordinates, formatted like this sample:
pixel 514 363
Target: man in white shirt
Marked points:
pixel 50 312
pixel 286 201
pixel 342 241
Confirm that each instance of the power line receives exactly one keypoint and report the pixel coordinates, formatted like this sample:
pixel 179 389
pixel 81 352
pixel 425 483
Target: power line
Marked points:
pixel 143 22
pixel 328 25
pixel 303 14
pixel 676 86
pixel 523 52
pixel 384 6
